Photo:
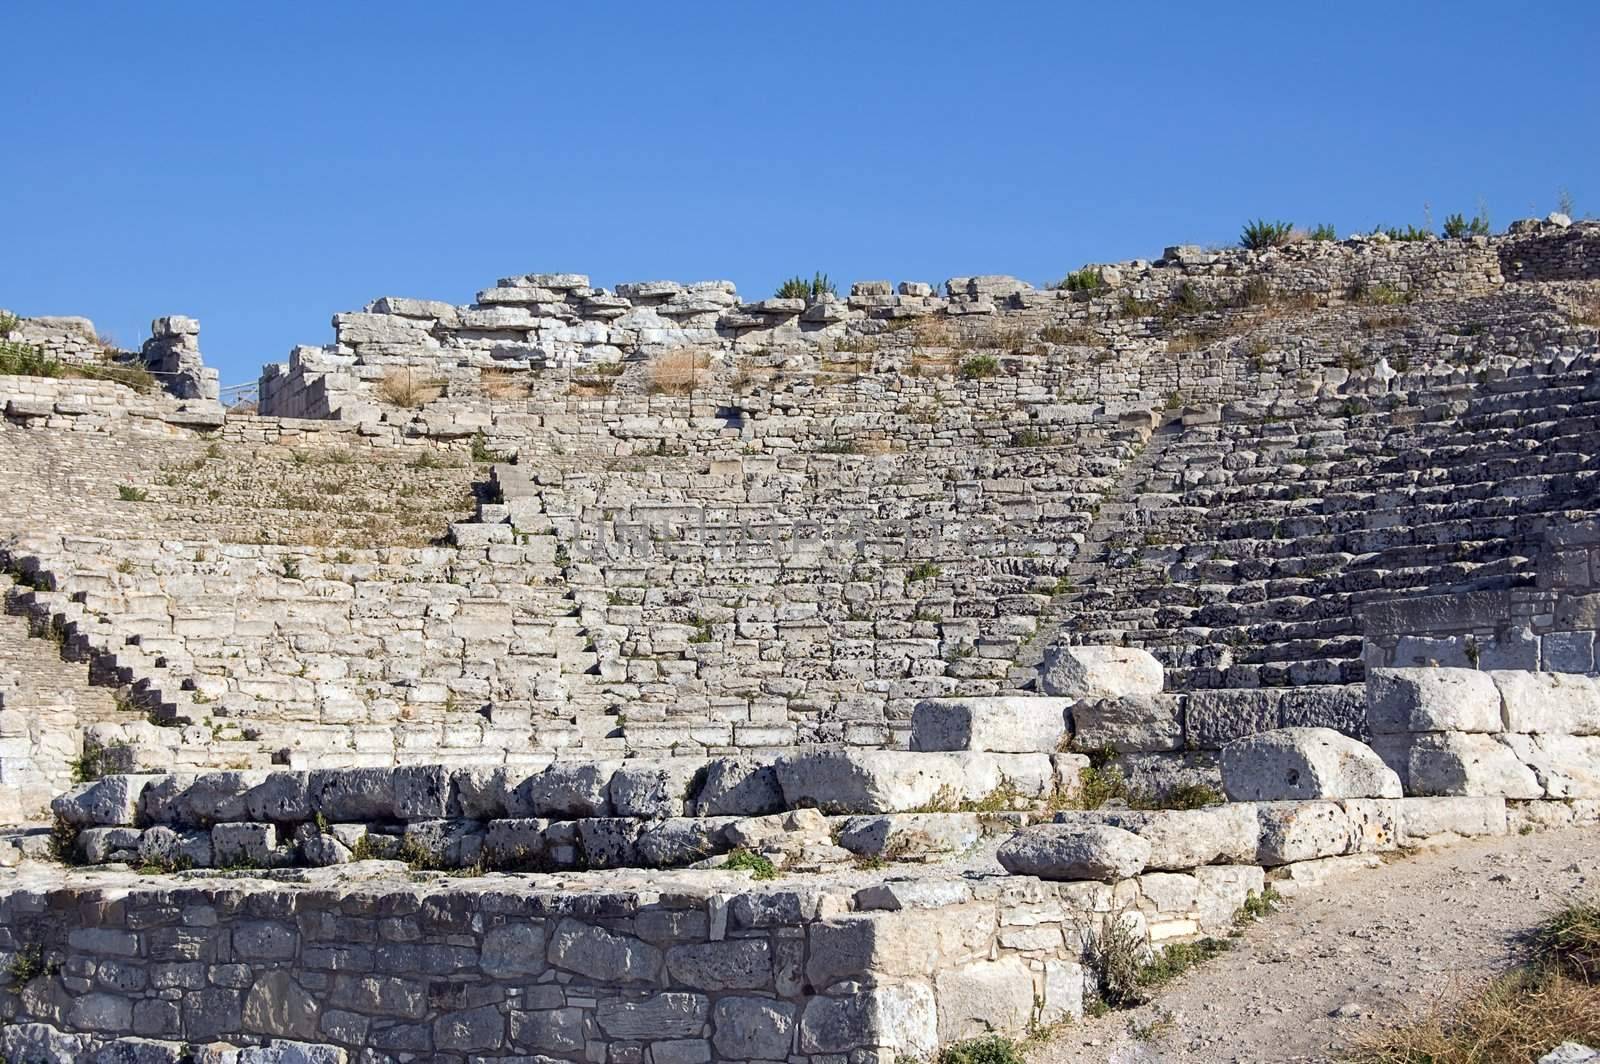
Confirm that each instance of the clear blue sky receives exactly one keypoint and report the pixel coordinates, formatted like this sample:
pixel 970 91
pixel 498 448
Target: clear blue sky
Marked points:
pixel 261 166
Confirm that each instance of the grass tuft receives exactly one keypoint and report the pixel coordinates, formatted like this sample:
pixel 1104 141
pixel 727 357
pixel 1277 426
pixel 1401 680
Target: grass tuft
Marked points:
pixel 743 860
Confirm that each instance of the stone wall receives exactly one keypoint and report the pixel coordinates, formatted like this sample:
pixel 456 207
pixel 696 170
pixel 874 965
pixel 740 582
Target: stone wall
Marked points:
pixel 1513 734
pixel 559 322
pixel 1549 627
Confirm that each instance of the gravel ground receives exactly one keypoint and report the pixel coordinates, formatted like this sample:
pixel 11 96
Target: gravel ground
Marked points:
pixel 1365 950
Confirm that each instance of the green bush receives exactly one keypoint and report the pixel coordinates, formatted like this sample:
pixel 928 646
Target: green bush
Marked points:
pixel 979 367
pixel 1410 232
pixel 1323 233
pixel 1456 227
pixel 1255 293
pixel 129 493
pixel 7 323
pixel 991 1049
pixel 743 860
pixel 25 360
pixel 1188 300
pixel 1085 280
pixel 798 287
pixel 1261 234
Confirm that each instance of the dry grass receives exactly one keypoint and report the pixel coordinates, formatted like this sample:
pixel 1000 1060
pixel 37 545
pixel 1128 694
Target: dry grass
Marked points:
pixel 1520 1016
pixel 1587 313
pixel 1517 1019
pixel 679 372
pixel 504 384
pixel 408 388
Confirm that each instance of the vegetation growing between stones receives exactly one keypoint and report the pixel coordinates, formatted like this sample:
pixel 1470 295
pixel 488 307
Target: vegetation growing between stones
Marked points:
pixel 1262 234
pixel 1085 280
pixel 743 860
pixel 28 964
pixel 980 367
pixel 678 371
pixel 26 360
pixel 1553 998
pixel 1456 226
pixel 798 287
pixel 408 388
pixel 991 1049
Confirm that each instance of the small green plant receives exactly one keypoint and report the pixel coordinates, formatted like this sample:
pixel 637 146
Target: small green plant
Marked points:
pixel 481 453
pixel 1176 958
pixel 1256 292
pixel 990 1049
pixel 743 860
pixel 1262 234
pixel 8 322
pixel 129 493
pixel 979 367
pixel 289 569
pixel 1186 299
pixel 923 571
pixel 28 964
pixel 1087 279
pixel 64 841
pixel 1323 234
pixel 702 631
pixel 1257 906
pixel 1117 954
pixel 798 287
pixel 839 447
pixel 1457 227
pixel 1409 233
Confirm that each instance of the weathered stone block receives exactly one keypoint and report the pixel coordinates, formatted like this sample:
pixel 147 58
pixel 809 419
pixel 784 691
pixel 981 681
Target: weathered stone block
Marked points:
pixel 1099 672
pixel 1009 724
pixel 1456 763
pixel 1296 764
pixel 603 955
pixel 753 1028
pixel 868 781
pixel 1071 851
pixel 1550 703
pixel 1432 700
pixel 1133 724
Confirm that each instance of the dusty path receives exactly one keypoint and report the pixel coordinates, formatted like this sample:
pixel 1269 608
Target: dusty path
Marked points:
pixel 1359 951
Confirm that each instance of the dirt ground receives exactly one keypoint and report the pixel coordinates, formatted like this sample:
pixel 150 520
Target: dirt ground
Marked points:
pixel 1364 950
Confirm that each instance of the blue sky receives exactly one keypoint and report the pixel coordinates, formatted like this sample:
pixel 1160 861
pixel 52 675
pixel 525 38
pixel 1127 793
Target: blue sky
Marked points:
pixel 262 166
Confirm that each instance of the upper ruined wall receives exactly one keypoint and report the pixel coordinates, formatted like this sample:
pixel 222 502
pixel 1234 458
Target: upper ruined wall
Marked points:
pixel 171 355
pixel 562 322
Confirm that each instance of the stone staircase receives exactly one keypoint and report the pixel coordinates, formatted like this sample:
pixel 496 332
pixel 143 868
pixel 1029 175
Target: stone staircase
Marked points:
pixel 1279 526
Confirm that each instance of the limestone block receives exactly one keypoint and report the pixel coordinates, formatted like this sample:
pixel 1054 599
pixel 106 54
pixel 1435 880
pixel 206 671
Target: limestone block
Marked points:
pixel 352 795
pixel 605 956
pixel 100 845
pixel 732 964
pixel 669 1015
pixel 421 792
pixel 164 846
pixel 283 797
pixel 565 790
pixel 681 841
pixel 514 950
pixel 910 836
pixel 651 789
pixel 981 997
pixel 868 781
pixel 1071 851
pixel 1550 703
pixel 1566 766
pixel 898 1017
pixel 1184 838
pixel 199 801
pixel 452 843
pixel 107 801
pixel 1432 700
pixel 276 1005
pixel 548 1030
pixel 1133 724
pixel 986 777
pixel 513 844
pixel 1425 818
pixel 249 845
pixel 1099 672
pixel 1456 763
pixel 1342 708
pixel 480 791
pixel 1302 831
pixel 738 786
pixel 1003 724
pixel 1215 718
pixel 753 1028
pixel 1294 764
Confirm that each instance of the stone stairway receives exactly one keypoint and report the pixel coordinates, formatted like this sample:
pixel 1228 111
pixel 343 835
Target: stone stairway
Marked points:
pixel 1282 525
pixel 45 704
pixel 1126 503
